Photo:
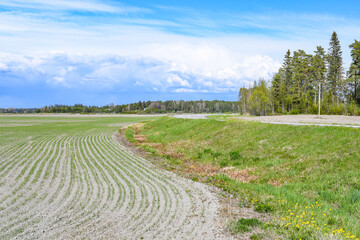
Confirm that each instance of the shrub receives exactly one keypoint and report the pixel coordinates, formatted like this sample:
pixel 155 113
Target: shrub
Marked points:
pixel 294 111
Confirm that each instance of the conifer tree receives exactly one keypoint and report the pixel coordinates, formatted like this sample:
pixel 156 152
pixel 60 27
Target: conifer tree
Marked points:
pixel 335 68
pixel 301 81
pixel 353 81
pixel 318 64
pixel 287 79
pixel 278 92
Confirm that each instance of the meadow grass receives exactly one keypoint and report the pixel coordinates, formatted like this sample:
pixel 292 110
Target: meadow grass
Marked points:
pixel 306 177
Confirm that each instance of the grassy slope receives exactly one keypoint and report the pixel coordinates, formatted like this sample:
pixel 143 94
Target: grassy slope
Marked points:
pixel 309 175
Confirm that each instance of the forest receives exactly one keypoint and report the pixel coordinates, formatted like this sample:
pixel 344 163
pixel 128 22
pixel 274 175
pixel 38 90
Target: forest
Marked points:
pixel 306 81
pixel 140 107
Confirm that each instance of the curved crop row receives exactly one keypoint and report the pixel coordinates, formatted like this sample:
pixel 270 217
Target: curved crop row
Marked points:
pixel 87 185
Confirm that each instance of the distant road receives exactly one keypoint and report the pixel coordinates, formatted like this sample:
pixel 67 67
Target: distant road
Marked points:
pixel 304 120
pixel 294 120
pixel 194 116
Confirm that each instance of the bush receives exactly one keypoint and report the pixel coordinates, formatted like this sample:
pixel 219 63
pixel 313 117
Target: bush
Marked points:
pixel 353 109
pixel 294 111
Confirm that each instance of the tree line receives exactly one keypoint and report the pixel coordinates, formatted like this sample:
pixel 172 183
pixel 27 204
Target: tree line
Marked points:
pixel 305 81
pixel 169 106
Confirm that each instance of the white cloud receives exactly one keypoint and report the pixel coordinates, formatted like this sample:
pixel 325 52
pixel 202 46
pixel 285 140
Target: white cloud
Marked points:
pixel 187 90
pixel 98 72
pixel 3 67
pixel 176 80
pixel 56 5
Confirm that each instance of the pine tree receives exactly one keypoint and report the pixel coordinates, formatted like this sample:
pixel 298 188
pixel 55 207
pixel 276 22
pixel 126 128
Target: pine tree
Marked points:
pixel 318 64
pixel 335 68
pixel 353 81
pixel 301 81
pixel 278 91
pixel 287 79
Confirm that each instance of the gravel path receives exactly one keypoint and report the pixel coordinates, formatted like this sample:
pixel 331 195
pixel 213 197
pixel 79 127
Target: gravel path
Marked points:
pixel 194 116
pixel 300 120
pixel 87 185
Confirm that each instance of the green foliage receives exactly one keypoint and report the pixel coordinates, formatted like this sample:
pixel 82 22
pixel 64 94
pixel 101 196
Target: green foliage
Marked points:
pixel 151 107
pixel 259 100
pixel 303 80
pixel 335 67
pixel 353 81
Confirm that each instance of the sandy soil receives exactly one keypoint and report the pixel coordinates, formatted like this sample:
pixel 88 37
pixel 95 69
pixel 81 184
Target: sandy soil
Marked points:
pixel 88 185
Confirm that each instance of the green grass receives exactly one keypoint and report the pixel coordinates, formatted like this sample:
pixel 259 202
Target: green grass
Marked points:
pixel 129 134
pixel 245 225
pixel 307 177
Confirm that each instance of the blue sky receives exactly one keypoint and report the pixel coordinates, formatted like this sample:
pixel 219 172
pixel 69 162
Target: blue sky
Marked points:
pixel 99 52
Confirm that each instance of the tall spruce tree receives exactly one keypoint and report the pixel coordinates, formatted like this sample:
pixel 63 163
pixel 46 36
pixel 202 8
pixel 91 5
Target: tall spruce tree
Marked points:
pixel 301 81
pixel 278 92
pixel 335 68
pixel 318 64
pixel 353 81
pixel 287 78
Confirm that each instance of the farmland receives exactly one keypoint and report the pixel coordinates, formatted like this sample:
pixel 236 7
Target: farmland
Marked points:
pixel 67 177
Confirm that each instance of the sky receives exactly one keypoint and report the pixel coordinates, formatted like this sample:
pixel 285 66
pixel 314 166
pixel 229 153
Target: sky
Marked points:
pixel 100 52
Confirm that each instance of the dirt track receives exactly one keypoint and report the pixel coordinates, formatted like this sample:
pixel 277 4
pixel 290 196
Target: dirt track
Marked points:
pixel 323 120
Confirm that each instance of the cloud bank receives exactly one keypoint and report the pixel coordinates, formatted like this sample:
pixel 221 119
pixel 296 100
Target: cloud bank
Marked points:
pixel 129 73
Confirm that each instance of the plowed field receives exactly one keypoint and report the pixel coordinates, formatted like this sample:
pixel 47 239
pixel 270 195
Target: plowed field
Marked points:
pixel 69 178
